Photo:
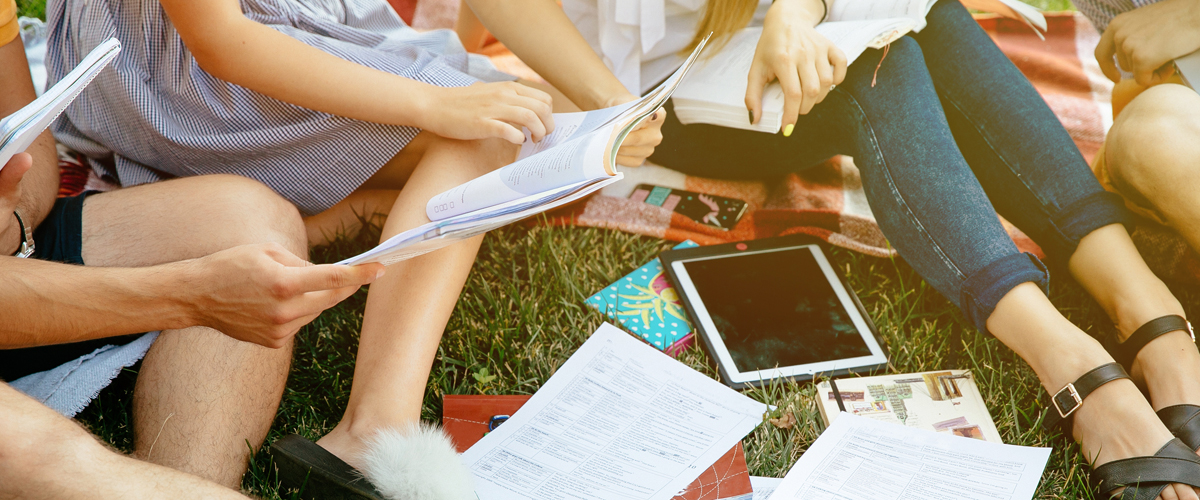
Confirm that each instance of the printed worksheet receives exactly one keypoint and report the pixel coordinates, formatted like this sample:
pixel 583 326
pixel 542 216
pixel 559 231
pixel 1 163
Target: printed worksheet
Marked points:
pixel 618 420
pixel 858 458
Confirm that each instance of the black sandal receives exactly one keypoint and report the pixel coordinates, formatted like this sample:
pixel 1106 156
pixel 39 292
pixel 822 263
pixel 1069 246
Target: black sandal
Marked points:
pixel 1180 419
pixel 315 473
pixel 1143 478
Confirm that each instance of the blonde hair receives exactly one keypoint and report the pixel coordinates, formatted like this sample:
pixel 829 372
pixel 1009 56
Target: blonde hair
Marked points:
pixel 722 18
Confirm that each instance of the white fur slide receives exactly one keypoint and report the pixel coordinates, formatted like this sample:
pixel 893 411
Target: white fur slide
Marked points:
pixel 416 463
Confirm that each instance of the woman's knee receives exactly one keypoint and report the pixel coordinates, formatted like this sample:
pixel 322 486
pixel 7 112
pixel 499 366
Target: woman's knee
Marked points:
pixel 1156 138
pixel 483 155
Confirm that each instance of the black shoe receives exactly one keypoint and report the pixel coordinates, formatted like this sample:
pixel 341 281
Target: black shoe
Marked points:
pixel 318 474
pixel 1180 419
pixel 1143 478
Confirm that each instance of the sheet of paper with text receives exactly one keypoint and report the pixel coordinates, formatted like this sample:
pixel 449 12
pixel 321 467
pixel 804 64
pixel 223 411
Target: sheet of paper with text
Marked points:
pixel 618 420
pixel 857 458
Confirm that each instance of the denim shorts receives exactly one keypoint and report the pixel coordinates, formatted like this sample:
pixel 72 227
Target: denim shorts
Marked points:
pixel 58 239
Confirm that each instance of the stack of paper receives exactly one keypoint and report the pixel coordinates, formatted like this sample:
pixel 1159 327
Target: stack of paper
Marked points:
pixel 618 420
pixel 858 457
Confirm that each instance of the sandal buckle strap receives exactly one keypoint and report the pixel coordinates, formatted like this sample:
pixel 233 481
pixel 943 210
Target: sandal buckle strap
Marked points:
pixel 1070 397
pixel 1126 352
pixel 1066 401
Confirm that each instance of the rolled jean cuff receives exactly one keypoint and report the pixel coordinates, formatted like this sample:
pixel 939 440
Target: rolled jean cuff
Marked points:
pixel 984 289
pixel 1089 214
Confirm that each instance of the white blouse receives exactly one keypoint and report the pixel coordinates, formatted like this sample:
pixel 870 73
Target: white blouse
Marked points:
pixel 640 40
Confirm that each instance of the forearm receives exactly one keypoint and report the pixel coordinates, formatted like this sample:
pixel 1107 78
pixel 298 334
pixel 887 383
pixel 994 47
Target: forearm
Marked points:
pixel 50 303
pixel 40 185
pixel 246 53
pixel 539 32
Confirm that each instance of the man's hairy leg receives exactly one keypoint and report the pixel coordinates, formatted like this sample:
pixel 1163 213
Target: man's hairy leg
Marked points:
pixel 46 456
pixel 202 399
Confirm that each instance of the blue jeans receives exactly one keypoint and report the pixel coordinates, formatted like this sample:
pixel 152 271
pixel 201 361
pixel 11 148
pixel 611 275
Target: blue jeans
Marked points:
pixel 950 134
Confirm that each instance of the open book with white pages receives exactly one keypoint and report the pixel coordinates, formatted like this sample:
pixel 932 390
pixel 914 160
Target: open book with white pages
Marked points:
pixel 20 129
pixel 715 91
pixel 574 161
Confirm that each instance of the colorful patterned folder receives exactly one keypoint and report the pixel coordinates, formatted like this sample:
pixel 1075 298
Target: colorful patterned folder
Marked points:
pixel 645 303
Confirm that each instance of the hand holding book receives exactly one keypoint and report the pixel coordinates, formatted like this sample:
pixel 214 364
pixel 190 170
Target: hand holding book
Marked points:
pixel 804 62
pixel 778 64
pixel 489 110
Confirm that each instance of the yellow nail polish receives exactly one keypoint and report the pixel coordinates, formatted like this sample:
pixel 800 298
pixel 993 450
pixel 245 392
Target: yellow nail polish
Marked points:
pixel 787 130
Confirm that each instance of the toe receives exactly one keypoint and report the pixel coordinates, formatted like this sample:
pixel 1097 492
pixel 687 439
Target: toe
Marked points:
pixel 1169 493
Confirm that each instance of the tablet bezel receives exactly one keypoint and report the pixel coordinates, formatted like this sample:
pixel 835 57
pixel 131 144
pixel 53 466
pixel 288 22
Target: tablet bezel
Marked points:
pixel 673 263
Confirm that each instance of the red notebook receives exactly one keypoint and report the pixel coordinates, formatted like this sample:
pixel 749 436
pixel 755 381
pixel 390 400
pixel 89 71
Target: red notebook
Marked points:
pixel 466 417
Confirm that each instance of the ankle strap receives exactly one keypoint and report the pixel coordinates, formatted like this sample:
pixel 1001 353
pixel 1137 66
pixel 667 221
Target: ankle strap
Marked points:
pixel 1126 352
pixel 1070 398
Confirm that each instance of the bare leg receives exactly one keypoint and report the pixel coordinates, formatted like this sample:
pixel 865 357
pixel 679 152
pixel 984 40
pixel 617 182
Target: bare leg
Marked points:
pixel 408 308
pixel 1115 422
pixel 1153 153
pixel 1109 267
pixel 200 396
pixel 46 456
pixel 348 216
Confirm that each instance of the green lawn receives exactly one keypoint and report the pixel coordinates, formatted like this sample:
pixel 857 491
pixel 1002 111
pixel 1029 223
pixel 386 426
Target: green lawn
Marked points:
pixel 522 314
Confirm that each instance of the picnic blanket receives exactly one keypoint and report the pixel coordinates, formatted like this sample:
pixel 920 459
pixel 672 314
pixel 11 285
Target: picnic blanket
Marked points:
pixel 827 201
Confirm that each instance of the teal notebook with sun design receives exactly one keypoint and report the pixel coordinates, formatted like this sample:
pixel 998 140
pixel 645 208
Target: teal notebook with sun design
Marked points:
pixel 645 304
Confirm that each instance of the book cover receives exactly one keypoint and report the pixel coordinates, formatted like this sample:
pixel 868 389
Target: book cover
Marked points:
pixel 946 401
pixel 645 303
pixel 467 418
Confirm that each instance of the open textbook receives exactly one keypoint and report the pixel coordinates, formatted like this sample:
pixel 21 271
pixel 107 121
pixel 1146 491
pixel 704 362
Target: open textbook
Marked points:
pixel 20 129
pixel 941 401
pixel 862 458
pixel 715 91
pixel 576 160
pixel 619 419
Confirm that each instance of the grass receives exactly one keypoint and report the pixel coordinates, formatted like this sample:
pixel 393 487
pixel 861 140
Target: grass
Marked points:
pixel 522 315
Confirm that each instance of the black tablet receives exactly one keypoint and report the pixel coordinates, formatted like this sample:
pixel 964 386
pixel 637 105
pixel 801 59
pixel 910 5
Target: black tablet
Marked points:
pixel 774 309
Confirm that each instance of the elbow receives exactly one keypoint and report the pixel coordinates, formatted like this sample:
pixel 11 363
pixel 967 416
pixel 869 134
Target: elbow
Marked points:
pixel 213 60
pixel 218 47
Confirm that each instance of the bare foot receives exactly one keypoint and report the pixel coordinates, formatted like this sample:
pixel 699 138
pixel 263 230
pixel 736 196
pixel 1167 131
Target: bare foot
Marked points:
pixel 344 444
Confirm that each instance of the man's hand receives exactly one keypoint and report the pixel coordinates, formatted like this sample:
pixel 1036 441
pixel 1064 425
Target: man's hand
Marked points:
pixel 10 196
pixel 640 143
pixel 264 294
pixel 1147 40
pixel 806 64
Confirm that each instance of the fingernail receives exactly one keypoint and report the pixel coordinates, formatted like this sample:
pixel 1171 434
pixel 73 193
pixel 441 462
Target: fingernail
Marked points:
pixel 751 113
pixel 787 130
pixel 380 273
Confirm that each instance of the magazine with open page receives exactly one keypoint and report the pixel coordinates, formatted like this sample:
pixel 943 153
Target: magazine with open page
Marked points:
pixel 574 161
pixel 20 129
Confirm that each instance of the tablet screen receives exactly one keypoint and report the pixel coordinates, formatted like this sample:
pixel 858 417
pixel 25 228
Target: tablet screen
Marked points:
pixel 775 309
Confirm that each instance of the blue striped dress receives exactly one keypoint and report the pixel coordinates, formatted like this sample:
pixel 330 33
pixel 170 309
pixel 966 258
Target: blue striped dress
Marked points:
pixel 156 115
